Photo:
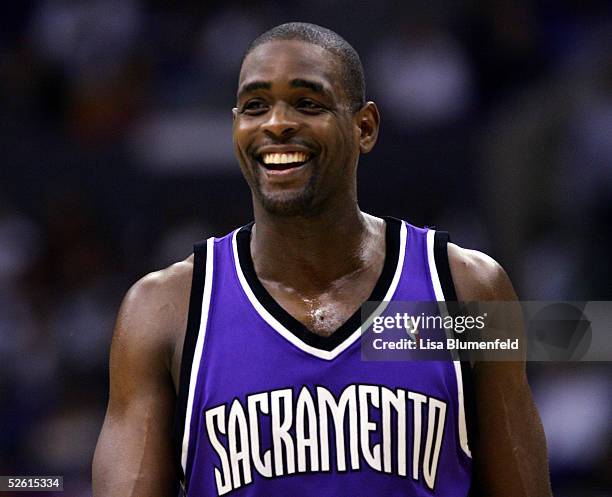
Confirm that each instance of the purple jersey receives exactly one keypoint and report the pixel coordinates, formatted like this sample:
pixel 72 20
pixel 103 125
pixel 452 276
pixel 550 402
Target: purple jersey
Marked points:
pixel 267 408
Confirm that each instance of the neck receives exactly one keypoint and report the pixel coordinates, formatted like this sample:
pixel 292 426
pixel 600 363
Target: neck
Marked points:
pixel 309 254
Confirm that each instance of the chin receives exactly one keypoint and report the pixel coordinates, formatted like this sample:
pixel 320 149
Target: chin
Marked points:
pixel 288 204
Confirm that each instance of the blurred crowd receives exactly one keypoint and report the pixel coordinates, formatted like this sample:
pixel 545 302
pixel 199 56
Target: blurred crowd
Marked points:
pixel 115 139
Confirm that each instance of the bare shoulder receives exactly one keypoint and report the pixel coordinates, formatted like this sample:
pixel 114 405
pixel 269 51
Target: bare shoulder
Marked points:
pixel 163 283
pixel 478 276
pixel 154 310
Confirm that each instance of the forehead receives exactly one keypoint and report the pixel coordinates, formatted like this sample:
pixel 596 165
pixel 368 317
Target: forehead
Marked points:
pixel 281 61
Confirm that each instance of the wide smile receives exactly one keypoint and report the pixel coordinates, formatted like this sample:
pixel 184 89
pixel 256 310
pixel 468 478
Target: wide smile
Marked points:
pixel 283 162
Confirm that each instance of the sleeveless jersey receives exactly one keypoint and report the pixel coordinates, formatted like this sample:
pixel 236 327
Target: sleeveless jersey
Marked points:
pixel 267 408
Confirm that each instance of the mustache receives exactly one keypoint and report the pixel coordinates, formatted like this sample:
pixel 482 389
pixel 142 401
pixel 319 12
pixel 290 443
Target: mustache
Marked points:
pixel 253 150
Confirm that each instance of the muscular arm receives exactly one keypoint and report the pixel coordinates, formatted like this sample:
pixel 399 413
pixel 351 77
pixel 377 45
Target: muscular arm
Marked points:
pixel 134 455
pixel 510 458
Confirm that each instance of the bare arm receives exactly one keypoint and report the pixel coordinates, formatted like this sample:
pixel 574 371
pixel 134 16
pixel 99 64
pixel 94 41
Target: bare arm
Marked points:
pixel 510 458
pixel 134 455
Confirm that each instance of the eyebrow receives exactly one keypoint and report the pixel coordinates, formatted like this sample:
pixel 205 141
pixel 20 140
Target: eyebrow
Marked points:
pixel 310 85
pixel 295 83
pixel 255 85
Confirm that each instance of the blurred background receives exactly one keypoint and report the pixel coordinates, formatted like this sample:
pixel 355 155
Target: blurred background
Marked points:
pixel 115 141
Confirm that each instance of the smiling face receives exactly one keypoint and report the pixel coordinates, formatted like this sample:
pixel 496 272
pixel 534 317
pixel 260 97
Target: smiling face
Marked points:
pixel 295 136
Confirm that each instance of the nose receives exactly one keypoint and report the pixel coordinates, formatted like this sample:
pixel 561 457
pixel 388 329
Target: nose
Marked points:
pixel 280 122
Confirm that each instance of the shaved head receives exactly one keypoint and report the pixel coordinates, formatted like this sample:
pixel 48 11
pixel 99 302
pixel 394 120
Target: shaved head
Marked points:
pixel 353 80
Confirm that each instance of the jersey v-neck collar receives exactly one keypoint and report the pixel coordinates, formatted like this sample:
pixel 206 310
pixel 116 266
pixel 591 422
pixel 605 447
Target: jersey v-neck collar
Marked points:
pixel 325 347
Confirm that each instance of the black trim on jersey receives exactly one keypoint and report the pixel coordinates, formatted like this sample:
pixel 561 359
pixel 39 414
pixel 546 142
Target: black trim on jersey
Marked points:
pixel 441 241
pixel 191 337
pixel 469 407
pixel 392 242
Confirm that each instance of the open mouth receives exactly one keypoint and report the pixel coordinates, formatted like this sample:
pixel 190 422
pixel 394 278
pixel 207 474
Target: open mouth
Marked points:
pixel 283 161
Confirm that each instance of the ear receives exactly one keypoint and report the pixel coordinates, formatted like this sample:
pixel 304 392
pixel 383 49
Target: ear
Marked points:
pixel 368 122
pixel 234 113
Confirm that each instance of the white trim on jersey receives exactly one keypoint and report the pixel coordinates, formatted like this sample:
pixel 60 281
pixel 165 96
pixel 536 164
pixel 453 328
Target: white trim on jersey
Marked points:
pixel 435 280
pixel 197 355
pixel 290 337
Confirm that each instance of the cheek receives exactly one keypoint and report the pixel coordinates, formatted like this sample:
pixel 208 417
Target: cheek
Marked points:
pixel 337 136
pixel 241 136
pixel 344 141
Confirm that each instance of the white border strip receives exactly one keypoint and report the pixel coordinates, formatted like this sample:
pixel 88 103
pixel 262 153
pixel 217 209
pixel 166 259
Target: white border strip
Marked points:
pixel 290 337
pixel 435 280
pixel 197 355
pixel 463 438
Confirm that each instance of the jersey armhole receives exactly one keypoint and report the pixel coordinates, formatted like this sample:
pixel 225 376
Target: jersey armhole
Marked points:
pixel 194 319
pixel 438 248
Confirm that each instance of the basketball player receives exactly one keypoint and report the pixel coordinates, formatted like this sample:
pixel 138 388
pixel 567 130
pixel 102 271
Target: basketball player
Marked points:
pixel 267 382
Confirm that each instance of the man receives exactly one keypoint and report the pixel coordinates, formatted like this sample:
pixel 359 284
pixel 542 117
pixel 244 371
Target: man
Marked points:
pixel 271 395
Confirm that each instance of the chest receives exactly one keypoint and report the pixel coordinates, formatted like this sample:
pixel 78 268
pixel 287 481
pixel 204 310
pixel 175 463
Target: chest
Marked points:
pixel 325 312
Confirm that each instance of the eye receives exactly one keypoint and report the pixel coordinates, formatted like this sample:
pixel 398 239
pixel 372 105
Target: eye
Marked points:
pixel 309 106
pixel 254 107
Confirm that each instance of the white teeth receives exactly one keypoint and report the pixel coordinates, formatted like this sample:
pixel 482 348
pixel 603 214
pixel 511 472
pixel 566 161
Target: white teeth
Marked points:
pixel 285 158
